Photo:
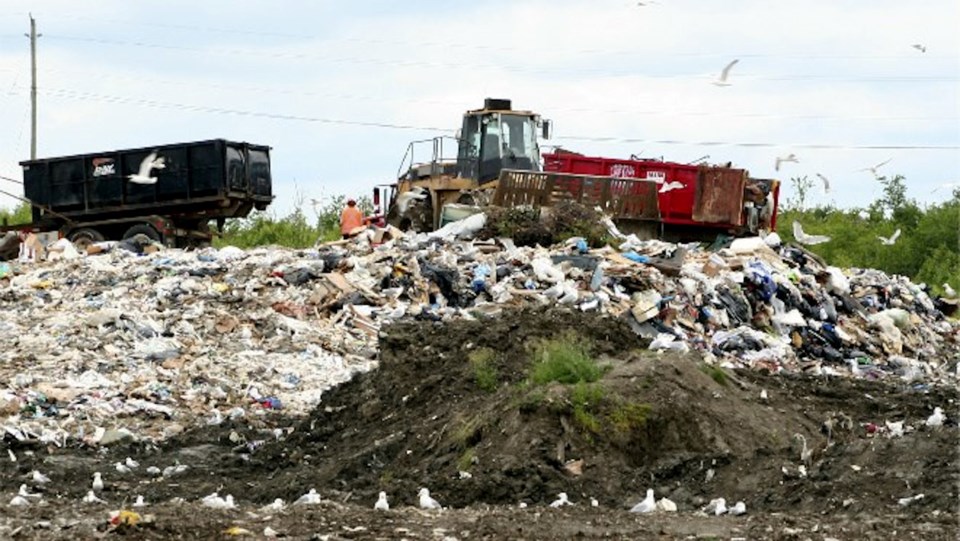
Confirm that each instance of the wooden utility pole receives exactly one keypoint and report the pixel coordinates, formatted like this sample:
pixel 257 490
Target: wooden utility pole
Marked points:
pixel 33 87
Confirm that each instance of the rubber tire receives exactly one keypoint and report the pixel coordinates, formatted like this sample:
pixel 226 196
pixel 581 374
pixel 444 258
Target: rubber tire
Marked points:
pixel 143 229
pixel 84 237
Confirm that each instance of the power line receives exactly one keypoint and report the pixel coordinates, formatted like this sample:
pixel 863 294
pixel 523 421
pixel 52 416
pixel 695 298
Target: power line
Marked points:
pixel 491 48
pixel 946 117
pixel 490 66
pixel 287 117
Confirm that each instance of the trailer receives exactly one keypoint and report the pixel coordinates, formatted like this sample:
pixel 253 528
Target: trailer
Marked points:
pixel 669 199
pixel 169 193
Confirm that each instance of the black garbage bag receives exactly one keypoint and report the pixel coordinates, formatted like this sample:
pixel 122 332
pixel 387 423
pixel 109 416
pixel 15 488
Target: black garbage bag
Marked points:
pixel 446 280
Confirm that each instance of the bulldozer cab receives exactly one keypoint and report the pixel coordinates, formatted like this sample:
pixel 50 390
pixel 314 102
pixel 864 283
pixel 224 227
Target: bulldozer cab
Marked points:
pixel 496 138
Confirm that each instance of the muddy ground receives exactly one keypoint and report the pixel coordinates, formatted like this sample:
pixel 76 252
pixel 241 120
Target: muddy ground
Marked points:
pixel 427 418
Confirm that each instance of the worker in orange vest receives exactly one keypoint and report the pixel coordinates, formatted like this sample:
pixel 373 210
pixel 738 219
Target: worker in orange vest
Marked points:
pixel 350 219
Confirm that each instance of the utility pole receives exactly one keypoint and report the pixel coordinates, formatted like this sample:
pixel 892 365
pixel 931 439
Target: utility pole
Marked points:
pixel 33 86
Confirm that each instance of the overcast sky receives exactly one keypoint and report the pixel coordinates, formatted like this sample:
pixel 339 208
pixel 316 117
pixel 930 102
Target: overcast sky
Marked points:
pixel 339 89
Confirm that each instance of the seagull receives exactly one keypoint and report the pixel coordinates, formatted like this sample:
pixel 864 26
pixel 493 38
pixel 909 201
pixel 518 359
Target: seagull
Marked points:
pixel 39 478
pixel 139 502
pixel 216 419
pixel 672 185
pixel 948 292
pixel 561 500
pixel 310 498
pixel 895 430
pixel 174 470
pixel 722 81
pixel 426 502
pixel 875 167
pixel 97 482
pixel 25 493
pixel 946 186
pixel 788 158
pixel 19 501
pixel 148 164
pixel 920 47
pixel 763 394
pixel 121 467
pixel 907 501
pixel 666 505
pixel 717 507
pixel 594 502
pixel 91 497
pixel 13 457
pixel 738 509
pixel 805 453
pixel 891 240
pixel 216 502
pixel 277 505
pixel 153 470
pixel 647 505
pixel 826 183
pixel 407 198
pixel 381 504
pixel 131 463
pixel 936 420
pixel 803 238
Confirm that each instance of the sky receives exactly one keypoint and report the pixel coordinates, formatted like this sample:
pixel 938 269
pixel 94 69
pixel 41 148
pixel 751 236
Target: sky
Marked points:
pixel 338 90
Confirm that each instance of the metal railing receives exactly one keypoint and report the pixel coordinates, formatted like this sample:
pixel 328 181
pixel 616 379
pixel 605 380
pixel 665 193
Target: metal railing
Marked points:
pixel 435 149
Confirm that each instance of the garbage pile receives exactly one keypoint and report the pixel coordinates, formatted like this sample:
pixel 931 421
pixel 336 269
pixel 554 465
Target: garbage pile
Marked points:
pixel 145 343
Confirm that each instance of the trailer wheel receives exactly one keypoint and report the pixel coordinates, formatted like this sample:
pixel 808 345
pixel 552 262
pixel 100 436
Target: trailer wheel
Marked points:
pixel 83 238
pixel 143 229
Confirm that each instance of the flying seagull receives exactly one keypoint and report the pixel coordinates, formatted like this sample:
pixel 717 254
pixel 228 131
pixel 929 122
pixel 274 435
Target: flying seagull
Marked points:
pixel 722 81
pixel 875 167
pixel 920 47
pixel 788 158
pixel 804 238
pixel 891 240
pixel 946 186
pixel 148 164
pixel 826 183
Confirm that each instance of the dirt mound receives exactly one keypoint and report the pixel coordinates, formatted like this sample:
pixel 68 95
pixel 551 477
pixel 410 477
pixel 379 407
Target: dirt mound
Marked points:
pixel 430 416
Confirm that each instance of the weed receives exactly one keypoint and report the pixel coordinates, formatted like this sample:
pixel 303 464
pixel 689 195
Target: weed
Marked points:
pixel 484 370
pixel 565 360
pixel 715 372
pixel 587 400
pixel 627 417
pixel 468 433
pixel 466 459
pixel 530 401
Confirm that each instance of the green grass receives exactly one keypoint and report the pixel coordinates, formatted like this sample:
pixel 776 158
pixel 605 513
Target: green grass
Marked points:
pixel 466 459
pixel 715 372
pixel 587 400
pixel 485 372
pixel 468 433
pixel 627 417
pixel 564 360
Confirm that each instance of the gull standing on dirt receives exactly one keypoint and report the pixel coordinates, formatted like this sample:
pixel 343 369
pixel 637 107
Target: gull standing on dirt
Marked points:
pixel 717 506
pixel 936 420
pixel 139 502
pixel 722 80
pixel 381 504
pixel 891 240
pixel 19 501
pixel 805 453
pixel 788 158
pixel 426 502
pixel 39 478
pixel 894 430
pixel 25 493
pixel 647 505
pixel 131 463
pixel 91 497
pixel 277 505
pixel 121 467
pixel 561 500
pixel 97 481
pixel 594 502
pixel 738 509
pixel 310 498
pixel 806 239
pixel 148 164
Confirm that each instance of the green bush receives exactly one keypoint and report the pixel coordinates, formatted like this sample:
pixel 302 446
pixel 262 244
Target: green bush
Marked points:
pixel 484 369
pixel 564 360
